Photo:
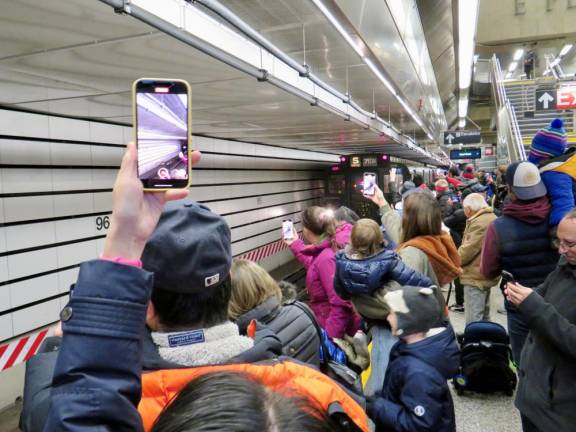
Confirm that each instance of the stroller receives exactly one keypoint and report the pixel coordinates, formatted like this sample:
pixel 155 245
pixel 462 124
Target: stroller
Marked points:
pixel 485 360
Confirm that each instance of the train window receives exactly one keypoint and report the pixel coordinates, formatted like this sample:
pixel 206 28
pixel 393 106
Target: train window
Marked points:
pixel 337 185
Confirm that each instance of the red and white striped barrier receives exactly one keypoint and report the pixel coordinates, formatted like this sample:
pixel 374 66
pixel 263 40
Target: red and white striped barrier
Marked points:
pixel 21 350
pixel 264 251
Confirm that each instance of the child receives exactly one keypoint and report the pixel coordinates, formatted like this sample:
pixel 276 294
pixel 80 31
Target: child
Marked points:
pixel 367 264
pixel 364 267
pixel 415 396
pixel 556 168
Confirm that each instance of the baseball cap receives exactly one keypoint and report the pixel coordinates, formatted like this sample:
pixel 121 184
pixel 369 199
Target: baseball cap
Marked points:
pixel 190 249
pixel 524 179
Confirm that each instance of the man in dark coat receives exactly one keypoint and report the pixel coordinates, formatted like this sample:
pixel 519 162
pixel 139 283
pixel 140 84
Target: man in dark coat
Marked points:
pixel 519 242
pixel 546 394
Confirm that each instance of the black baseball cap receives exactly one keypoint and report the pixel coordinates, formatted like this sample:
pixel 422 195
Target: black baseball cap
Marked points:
pixel 189 251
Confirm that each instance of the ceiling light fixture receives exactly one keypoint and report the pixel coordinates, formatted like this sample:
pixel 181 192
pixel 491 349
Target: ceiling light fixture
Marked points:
pixel 518 54
pixel 565 49
pixel 467 19
pixel 513 66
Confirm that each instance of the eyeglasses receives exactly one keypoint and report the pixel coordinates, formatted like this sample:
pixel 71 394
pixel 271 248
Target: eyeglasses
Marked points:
pixel 565 244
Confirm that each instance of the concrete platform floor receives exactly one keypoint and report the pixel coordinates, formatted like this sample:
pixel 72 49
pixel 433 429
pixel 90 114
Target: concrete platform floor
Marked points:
pixel 478 412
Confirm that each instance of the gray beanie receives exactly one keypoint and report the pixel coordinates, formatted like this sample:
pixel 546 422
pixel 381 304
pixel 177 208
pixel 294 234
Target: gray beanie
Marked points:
pixel 416 308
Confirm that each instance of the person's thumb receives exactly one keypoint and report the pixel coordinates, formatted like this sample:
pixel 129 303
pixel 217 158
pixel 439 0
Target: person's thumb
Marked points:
pixel 175 194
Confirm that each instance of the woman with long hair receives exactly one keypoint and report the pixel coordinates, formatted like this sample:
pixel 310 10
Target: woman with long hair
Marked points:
pixel 335 315
pixel 256 296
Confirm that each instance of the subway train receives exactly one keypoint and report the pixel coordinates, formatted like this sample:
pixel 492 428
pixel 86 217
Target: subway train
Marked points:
pixel 346 180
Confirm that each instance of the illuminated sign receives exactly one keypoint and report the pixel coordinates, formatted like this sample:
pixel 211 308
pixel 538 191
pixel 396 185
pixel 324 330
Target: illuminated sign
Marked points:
pixel 370 161
pixel 470 153
pixel 355 162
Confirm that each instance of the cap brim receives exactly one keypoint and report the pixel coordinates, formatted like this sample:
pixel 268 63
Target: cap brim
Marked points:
pixel 530 192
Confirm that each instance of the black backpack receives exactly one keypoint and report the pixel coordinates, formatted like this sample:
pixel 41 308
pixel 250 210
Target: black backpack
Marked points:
pixel 485 360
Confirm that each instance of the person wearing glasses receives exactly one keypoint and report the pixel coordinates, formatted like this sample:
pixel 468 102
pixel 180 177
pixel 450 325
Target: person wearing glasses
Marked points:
pixel 546 394
pixel 519 242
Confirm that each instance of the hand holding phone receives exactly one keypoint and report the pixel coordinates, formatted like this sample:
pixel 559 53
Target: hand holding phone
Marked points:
pixel 288 230
pixel 369 188
pixel 507 277
pixel 162 124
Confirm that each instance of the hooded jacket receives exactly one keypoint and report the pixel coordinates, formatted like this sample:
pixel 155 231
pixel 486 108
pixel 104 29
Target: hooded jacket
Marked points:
pixel 292 326
pixel 364 276
pixel 335 315
pixel 558 176
pixel 415 396
pixel 471 249
pixel 546 392
pixel 97 378
pixel 519 242
pixel 343 233
pixel 445 206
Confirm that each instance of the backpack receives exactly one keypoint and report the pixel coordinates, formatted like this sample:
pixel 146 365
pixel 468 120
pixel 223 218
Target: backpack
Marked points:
pixel 485 360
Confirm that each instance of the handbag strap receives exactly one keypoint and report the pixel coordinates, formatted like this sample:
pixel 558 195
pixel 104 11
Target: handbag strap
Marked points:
pixel 312 318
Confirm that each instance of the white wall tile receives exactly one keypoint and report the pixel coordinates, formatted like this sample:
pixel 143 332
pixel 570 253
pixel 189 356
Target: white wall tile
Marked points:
pixel 107 156
pixel 106 133
pixel 5 300
pixel 70 154
pixel 26 180
pixel 30 235
pixel 6 331
pixel 24 152
pixel 103 178
pixel 102 201
pixel 76 253
pixel 75 204
pixel 4 275
pixel 33 317
pixel 30 263
pixel 31 290
pixel 73 229
pixel 23 124
pixel 69 129
pixel 72 179
pixel 67 278
pixel 28 208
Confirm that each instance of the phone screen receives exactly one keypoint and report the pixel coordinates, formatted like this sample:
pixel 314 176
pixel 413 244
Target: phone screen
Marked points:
pixel 369 184
pixel 455 198
pixel 287 230
pixel 162 133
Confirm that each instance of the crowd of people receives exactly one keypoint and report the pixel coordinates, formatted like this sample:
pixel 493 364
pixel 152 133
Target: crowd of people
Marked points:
pixel 167 332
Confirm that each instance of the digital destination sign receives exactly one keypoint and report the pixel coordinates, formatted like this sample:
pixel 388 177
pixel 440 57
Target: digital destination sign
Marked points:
pixel 470 153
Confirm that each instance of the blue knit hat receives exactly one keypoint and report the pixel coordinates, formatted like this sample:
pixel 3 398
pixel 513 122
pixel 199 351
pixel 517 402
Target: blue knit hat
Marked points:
pixel 548 142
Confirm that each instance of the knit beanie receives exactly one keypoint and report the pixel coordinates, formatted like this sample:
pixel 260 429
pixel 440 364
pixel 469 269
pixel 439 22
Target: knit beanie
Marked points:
pixel 549 142
pixel 468 172
pixel 417 309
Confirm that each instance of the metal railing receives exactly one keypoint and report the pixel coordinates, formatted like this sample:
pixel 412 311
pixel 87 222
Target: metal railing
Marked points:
pixel 510 146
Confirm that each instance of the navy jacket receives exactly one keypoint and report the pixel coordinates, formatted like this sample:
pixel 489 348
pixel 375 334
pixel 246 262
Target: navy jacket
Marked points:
pixel 364 276
pixel 415 396
pixel 91 392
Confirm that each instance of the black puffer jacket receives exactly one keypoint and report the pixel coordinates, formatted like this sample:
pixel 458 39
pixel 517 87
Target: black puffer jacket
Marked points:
pixel 445 206
pixel 364 276
pixel 292 326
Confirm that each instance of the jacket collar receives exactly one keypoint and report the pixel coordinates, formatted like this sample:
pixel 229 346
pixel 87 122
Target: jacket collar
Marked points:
pixel 566 266
pixel 266 346
pixel 483 211
pixel 263 313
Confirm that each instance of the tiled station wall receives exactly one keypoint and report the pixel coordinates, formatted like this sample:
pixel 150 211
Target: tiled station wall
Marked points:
pixel 56 177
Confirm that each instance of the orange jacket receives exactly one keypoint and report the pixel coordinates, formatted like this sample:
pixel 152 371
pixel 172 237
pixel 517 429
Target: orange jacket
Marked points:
pixel 284 376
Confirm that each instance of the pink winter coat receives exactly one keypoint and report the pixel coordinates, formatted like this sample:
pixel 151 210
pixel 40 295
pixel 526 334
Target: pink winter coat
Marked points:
pixel 343 233
pixel 335 315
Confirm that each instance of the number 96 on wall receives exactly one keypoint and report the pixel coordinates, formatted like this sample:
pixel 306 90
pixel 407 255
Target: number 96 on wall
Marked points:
pixel 102 223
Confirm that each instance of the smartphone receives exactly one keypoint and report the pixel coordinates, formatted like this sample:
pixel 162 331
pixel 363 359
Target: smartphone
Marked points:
pixel 455 198
pixel 288 229
pixel 162 132
pixel 369 184
pixel 507 277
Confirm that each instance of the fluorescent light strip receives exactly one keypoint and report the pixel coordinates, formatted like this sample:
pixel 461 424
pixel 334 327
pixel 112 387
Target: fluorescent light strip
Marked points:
pixel 467 19
pixel 565 49
pixel 368 61
pixel 518 54
pixel 513 66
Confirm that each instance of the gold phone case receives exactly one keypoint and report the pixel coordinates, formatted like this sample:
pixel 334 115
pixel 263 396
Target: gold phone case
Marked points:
pixel 135 126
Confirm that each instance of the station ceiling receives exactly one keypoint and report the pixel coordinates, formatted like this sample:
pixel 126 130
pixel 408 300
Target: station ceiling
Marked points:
pixel 78 58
